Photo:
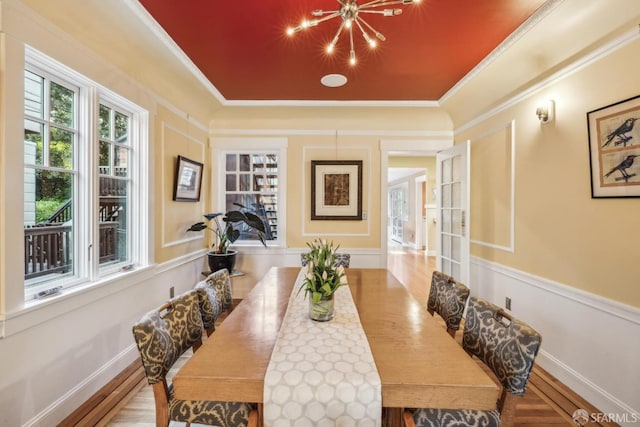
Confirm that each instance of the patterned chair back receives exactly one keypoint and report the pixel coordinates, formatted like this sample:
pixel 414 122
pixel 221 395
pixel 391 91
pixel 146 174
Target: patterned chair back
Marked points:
pixel 163 335
pixel 210 305
pixel 506 345
pixel 220 282
pixel 447 297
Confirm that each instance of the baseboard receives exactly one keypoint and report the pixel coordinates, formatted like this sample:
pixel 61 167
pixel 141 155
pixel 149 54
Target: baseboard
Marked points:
pixel 588 341
pixel 111 396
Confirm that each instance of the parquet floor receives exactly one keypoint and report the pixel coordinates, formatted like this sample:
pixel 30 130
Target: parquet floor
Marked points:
pixel 546 402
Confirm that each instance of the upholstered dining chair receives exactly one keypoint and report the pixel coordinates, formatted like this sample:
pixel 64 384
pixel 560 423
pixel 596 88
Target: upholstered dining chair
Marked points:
pixel 447 297
pixel 508 347
pixel 215 297
pixel 162 336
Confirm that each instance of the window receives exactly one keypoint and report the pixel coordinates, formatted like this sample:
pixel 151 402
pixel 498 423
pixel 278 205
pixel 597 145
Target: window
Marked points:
pixel 254 179
pixel 81 144
pixel 113 170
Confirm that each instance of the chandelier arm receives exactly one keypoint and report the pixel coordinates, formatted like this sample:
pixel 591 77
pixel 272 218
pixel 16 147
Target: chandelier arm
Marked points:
pixel 324 12
pixel 326 18
pixel 365 35
pixel 334 41
pixel 379 4
pixel 378 34
pixel 373 3
pixel 380 12
pixel 352 52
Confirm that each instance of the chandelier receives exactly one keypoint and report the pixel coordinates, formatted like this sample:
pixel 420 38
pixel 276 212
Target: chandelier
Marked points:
pixel 350 13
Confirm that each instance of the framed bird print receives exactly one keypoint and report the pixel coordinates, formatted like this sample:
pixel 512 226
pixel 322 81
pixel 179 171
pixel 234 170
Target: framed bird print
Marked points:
pixel 614 149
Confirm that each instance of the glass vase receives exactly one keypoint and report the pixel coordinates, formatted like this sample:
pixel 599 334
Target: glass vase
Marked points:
pixel 322 310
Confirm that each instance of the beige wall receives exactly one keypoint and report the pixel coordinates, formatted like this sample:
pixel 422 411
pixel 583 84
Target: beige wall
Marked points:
pixel 311 135
pixel 561 233
pixel 176 136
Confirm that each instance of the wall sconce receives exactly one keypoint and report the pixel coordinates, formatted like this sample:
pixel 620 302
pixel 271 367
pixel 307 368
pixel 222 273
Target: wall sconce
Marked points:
pixel 546 111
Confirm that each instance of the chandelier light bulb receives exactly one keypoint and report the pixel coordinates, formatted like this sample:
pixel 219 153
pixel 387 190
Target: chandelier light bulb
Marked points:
pixel 330 48
pixel 352 57
pixel 371 42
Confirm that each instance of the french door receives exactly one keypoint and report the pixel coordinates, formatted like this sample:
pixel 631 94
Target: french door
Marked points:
pixel 452 232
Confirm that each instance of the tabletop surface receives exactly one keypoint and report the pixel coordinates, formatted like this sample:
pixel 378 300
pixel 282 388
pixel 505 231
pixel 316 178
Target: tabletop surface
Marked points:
pixel 419 364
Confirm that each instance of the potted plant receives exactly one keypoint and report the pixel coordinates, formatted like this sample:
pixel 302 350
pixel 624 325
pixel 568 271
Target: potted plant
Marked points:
pixel 221 255
pixel 322 279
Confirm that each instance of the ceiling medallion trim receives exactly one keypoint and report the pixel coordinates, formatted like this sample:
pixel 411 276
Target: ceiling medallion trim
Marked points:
pixel 333 80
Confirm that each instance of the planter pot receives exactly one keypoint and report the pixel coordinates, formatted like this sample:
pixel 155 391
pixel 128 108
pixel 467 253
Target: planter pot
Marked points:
pixel 322 310
pixel 220 261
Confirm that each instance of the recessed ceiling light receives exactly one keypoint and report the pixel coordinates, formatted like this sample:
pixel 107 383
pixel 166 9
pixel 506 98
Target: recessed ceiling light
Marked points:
pixel 333 80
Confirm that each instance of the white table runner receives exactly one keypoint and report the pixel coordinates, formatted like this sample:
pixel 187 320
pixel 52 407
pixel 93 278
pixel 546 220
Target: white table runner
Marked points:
pixel 322 374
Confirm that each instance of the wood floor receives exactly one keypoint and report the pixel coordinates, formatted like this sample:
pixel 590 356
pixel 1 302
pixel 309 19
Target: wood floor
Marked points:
pixel 547 402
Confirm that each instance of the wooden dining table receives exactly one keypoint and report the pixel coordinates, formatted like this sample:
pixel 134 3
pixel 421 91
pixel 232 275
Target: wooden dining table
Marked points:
pixel 419 364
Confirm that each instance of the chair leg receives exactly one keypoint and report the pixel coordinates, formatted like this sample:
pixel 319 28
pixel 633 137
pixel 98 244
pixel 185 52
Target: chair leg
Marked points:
pixel 253 419
pixel 407 418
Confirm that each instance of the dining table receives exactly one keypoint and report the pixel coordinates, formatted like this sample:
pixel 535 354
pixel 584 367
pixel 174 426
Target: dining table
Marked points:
pixel 419 364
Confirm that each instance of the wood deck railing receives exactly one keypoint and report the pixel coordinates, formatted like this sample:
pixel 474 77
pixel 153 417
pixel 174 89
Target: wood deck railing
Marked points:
pixel 47 249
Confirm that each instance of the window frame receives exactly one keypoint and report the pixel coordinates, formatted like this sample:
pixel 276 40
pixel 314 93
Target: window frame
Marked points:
pixel 87 271
pixel 224 146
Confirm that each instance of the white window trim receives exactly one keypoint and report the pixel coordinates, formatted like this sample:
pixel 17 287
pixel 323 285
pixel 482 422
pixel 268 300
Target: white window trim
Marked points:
pixel 87 274
pixel 221 146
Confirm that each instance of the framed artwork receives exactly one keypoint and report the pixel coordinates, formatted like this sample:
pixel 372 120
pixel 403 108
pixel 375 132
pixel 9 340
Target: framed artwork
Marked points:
pixel 336 189
pixel 614 148
pixel 188 180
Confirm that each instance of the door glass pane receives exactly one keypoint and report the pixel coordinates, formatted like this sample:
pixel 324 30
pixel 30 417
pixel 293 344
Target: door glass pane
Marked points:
pixel 455 270
pixel 446 196
pixel 446 171
pixel 456 225
pixel 446 246
pixel 446 266
pixel 455 248
pixel 446 220
pixel 456 169
pixel 455 194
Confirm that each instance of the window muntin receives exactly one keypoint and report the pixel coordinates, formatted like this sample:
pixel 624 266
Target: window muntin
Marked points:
pixel 60 152
pixel 114 185
pixel 50 178
pixel 251 180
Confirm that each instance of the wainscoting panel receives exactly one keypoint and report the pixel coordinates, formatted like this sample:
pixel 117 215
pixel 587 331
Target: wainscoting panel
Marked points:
pixel 590 343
